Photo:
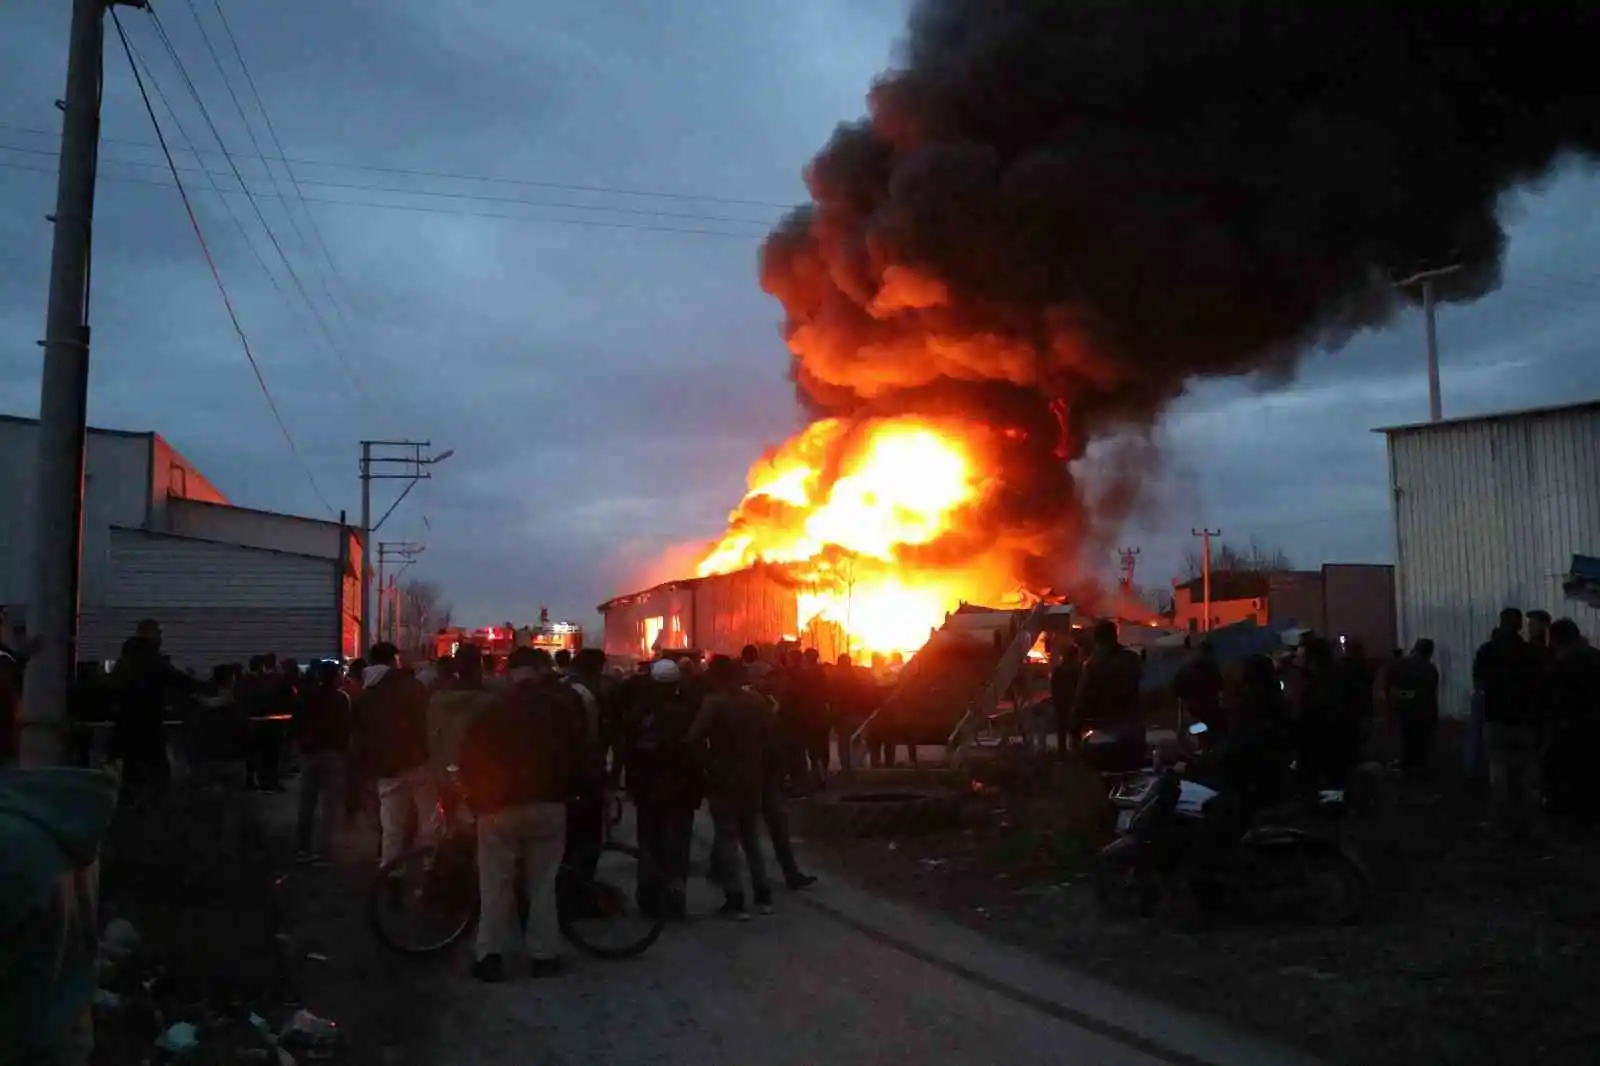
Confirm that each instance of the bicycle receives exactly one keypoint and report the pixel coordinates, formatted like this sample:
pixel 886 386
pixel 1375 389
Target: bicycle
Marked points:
pixel 426 900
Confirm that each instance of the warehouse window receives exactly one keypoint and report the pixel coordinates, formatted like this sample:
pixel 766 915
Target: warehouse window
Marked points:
pixel 651 630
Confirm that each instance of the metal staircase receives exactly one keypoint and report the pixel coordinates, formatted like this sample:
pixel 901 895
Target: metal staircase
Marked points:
pixel 983 708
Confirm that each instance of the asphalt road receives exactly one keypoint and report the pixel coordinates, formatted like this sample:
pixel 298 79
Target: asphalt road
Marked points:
pixel 836 978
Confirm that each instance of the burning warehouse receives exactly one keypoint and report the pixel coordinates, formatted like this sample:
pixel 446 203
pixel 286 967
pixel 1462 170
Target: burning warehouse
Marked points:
pixel 716 613
pixel 1054 218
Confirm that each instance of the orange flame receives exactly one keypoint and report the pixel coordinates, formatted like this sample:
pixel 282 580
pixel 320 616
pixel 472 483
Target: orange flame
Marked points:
pixel 848 505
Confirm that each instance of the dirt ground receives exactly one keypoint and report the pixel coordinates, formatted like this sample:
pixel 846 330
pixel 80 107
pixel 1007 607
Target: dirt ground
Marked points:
pixel 230 927
pixel 1469 956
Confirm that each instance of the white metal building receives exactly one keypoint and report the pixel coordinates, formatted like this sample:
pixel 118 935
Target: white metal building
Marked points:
pixel 1488 513
pixel 160 541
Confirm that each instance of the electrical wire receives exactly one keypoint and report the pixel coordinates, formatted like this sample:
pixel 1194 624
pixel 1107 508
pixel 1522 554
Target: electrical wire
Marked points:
pixel 454 212
pixel 765 224
pixel 216 275
pixel 294 275
pixel 294 222
pixel 608 190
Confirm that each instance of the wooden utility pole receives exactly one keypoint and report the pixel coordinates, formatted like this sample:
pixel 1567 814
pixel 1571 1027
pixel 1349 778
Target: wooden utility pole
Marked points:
pixel 1205 536
pixel 52 618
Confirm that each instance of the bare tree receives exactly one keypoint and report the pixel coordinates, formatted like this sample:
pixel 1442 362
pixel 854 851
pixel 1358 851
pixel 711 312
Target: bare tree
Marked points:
pixel 1253 558
pixel 423 610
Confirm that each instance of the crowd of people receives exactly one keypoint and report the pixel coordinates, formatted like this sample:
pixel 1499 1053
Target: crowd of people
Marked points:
pixel 537 744
pixel 1321 707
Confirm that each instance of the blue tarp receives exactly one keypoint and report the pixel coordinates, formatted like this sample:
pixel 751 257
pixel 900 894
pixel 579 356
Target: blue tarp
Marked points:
pixel 1583 580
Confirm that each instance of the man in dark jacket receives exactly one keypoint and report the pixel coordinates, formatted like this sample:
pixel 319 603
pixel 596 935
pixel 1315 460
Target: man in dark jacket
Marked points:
pixel 1199 687
pixel 321 729
pixel 518 758
pixel 735 721
pixel 391 732
pixel 142 683
pixel 665 777
pixel 1108 691
pixel 1411 692
pixel 1573 729
pixel 1508 672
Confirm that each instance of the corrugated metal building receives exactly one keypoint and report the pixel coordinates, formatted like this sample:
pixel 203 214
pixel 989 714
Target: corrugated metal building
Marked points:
pixel 718 614
pixel 1488 513
pixel 161 541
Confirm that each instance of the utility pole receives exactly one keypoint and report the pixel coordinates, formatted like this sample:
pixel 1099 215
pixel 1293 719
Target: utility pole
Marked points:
pixel 52 618
pixel 1128 557
pixel 1426 279
pixel 387 460
pixel 1205 536
pixel 404 552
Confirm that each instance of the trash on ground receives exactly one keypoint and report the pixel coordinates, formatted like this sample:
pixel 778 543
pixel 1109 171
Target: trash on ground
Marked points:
pixel 317 956
pixel 179 1037
pixel 260 1023
pixel 309 1030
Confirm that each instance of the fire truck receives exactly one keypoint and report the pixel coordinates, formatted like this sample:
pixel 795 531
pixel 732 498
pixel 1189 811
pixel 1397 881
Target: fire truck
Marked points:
pixel 500 641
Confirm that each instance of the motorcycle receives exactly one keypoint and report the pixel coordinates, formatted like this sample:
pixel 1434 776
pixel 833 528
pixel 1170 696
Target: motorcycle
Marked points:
pixel 1173 855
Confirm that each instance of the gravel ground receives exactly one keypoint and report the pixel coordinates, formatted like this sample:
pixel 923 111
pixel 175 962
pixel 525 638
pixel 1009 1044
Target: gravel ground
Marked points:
pixel 1469 956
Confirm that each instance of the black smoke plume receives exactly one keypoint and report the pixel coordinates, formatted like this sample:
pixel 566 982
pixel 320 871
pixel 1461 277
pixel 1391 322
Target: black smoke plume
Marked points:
pixel 1082 205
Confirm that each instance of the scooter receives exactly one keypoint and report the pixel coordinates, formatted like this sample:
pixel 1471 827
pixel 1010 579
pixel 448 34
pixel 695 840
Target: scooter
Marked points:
pixel 1166 858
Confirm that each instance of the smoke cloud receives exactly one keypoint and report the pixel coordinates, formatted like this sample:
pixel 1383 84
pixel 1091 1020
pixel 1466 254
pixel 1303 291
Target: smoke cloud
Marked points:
pixel 1057 213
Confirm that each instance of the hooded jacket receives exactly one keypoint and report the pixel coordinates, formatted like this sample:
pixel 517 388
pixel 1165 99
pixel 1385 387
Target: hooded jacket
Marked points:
pixel 51 825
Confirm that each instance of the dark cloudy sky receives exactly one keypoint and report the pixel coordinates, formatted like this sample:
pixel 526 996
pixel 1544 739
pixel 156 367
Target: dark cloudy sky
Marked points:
pixel 588 334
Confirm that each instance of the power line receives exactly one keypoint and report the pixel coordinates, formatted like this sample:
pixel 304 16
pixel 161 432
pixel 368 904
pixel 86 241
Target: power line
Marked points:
pixel 609 190
pixel 249 129
pixel 443 194
pixel 294 275
pixel 216 275
pixel 420 209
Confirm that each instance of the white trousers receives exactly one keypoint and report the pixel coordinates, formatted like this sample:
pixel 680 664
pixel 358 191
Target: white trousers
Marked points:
pixel 398 797
pixel 535 834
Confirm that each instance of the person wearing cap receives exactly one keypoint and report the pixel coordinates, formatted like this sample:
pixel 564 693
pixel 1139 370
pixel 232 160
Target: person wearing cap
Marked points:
pixel 663 773
pixel 517 768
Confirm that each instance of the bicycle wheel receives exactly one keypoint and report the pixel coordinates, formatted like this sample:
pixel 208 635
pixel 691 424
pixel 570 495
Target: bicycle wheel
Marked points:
pixel 425 900
pixel 604 917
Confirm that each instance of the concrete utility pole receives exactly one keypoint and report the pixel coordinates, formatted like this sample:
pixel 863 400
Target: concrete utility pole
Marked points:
pixel 52 618
pixel 1426 278
pixel 404 552
pixel 411 466
pixel 1205 536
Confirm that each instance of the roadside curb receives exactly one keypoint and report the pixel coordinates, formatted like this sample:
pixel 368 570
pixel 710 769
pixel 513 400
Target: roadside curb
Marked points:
pixel 1166 1034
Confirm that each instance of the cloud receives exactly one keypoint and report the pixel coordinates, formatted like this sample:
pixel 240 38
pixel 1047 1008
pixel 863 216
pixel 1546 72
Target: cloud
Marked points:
pixel 605 388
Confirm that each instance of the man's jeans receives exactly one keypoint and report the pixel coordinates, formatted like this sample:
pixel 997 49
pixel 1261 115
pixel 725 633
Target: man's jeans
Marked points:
pixel 736 819
pixel 321 786
pixel 666 830
pixel 1514 777
pixel 398 798
pixel 776 816
pixel 533 835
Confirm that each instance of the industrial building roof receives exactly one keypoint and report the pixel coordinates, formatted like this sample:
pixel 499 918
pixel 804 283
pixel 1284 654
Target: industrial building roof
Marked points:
pixel 665 586
pixel 1494 416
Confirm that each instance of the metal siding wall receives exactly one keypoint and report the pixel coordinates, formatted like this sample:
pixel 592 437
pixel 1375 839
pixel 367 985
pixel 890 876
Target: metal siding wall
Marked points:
pixel 1488 514
pixel 216 602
